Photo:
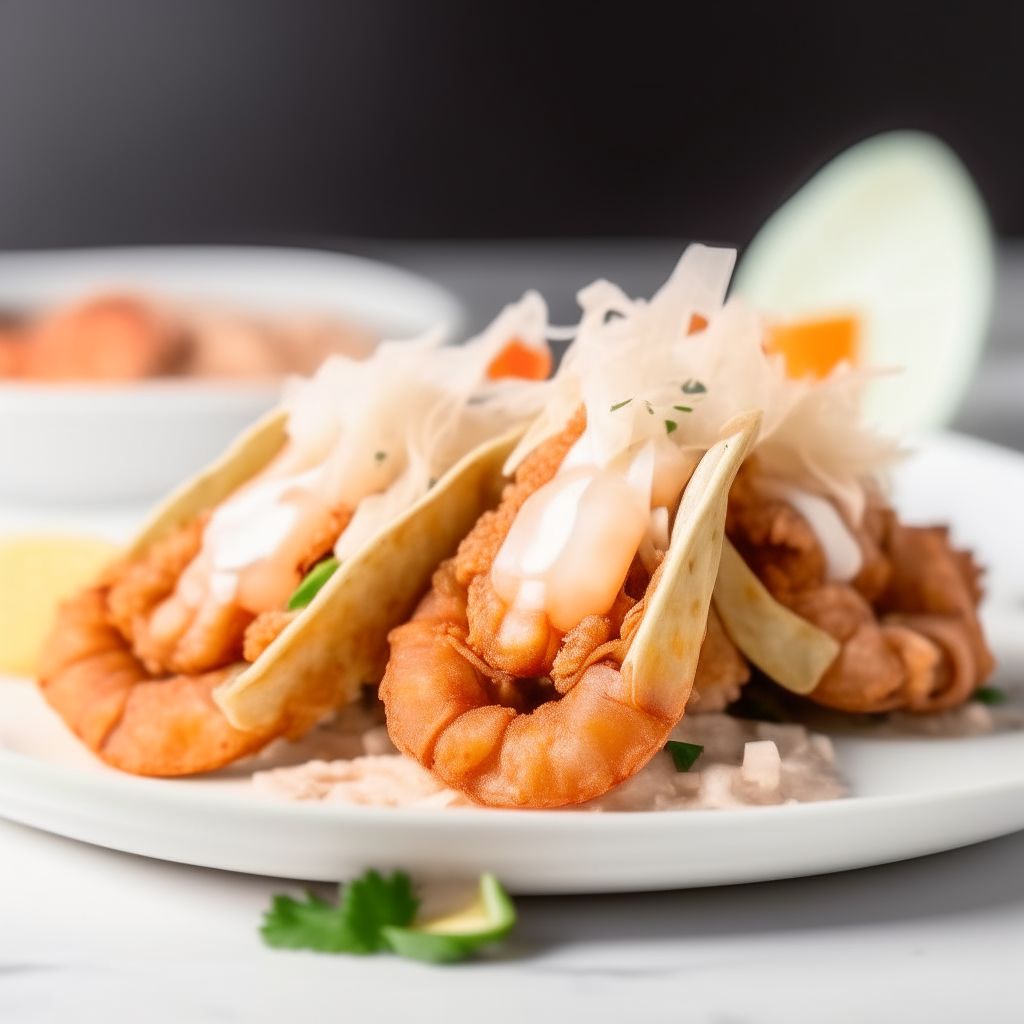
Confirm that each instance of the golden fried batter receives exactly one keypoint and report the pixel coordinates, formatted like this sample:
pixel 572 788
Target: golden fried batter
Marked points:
pixel 148 726
pixel 907 622
pixel 480 546
pixel 136 588
pixel 930 578
pixel 322 543
pixel 722 670
pixel 131 667
pixel 263 631
pixel 774 539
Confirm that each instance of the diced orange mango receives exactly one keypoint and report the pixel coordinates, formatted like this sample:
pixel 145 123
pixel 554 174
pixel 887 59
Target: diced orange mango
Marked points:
pixel 697 323
pixel 517 359
pixel 814 348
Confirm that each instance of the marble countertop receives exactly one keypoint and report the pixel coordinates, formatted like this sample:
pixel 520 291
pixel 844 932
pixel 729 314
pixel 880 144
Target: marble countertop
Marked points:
pixel 87 934
pixel 90 935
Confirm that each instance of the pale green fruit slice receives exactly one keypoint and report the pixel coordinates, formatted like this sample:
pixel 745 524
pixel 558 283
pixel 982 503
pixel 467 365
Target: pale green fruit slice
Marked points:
pixel 488 919
pixel 894 230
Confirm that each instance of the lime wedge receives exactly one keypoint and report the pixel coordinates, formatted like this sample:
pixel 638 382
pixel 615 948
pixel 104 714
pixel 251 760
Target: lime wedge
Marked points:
pixel 488 919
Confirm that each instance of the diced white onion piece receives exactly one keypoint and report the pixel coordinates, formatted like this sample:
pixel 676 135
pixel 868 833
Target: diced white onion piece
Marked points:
pixel 762 765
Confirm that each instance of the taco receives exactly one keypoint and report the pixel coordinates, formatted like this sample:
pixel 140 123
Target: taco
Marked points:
pixel 683 507
pixel 288 558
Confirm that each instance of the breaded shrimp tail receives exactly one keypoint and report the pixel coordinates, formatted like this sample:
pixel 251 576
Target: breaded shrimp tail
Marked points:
pixel 615 686
pixel 258 598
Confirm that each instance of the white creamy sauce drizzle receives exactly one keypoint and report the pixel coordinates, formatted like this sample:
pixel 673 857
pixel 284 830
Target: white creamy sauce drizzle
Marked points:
pixel 572 542
pixel 252 525
pixel 843 556
pixel 556 520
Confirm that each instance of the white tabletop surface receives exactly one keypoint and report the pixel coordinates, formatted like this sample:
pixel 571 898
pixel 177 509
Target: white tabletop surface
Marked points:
pixel 91 935
pixel 87 934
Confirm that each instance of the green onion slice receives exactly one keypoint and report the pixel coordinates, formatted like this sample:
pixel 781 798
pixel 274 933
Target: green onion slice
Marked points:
pixel 311 584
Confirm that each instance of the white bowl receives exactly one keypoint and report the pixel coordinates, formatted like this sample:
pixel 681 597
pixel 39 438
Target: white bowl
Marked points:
pixel 133 442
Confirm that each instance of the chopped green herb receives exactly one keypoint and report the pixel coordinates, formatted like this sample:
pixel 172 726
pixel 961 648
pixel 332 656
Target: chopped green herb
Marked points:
pixel 683 408
pixel 353 926
pixel 670 425
pixel 650 408
pixel 375 914
pixel 311 583
pixel 379 457
pixel 314 924
pixel 694 387
pixel 989 695
pixel 619 405
pixel 684 754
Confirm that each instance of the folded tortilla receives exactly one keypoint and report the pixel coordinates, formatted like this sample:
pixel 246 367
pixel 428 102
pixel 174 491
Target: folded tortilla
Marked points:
pixel 339 642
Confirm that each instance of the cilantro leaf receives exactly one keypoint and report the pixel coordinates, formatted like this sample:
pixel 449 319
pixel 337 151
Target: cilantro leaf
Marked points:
pixel 650 408
pixel 353 926
pixel 619 405
pixel 670 425
pixel 989 695
pixel 684 754
pixel 683 408
pixel 371 902
pixel 314 924
pixel 694 387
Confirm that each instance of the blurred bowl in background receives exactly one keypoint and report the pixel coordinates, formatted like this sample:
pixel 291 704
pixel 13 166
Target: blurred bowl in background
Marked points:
pixel 132 441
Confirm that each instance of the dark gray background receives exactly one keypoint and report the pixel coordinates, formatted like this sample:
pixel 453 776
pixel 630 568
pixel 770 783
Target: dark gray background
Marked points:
pixel 293 120
pixel 494 146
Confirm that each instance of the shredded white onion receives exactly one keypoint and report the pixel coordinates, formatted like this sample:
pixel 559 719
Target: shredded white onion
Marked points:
pixel 638 368
pixel 377 432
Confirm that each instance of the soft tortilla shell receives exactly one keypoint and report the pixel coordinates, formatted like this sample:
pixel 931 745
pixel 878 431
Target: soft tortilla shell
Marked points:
pixel 322 658
pixel 662 658
pixel 787 648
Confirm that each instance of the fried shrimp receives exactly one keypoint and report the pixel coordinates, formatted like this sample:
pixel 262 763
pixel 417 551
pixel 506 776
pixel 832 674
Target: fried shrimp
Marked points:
pixel 590 704
pixel 222 627
pixel 165 726
pixel 906 620
pixel 137 690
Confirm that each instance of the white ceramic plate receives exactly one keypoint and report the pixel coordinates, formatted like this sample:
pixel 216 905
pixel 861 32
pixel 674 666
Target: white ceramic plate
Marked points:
pixel 911 797
pixel 103 443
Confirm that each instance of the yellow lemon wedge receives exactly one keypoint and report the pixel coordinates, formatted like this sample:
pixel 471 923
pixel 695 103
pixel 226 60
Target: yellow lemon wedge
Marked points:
pixel 36 573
